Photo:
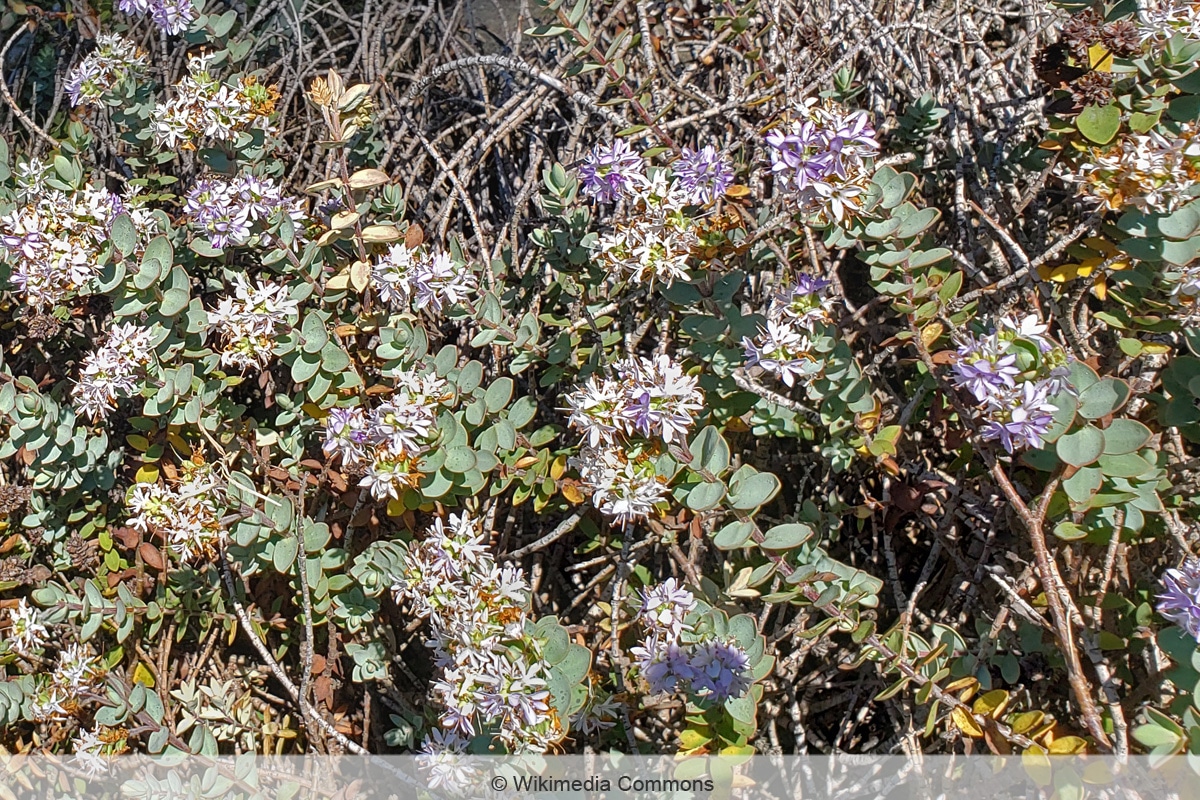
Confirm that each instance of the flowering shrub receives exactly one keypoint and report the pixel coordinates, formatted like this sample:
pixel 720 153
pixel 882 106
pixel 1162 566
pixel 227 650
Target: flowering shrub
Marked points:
pixel 447 419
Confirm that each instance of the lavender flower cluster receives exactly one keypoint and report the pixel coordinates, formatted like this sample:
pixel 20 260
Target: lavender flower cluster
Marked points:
pixel 822 154
pixel 249 322
pixel 204 106
pixel 114 59
pixel 784 346
pixel 173 16
pixel 493 678
pixel 1180 600
pixel 713 669
pixel 187 515
pixel 421 279
pixel 56 241
pixel 654 240
pixel 113 371
pixel 619 418
pixel 227 210
pixel 1013 393
pixel 387 441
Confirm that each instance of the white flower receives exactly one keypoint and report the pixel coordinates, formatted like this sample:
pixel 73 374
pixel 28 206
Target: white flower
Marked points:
pixel 250 321
pixel 26 632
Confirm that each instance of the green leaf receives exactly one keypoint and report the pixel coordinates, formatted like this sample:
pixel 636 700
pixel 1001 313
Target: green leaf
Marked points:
pixel 150 270
pixel 522 411
pixel 1083 484
pixel 1069 531
pixel 711 451
pixel 1126 465
pixel 1063 418
pixel 498 394
pixel 733 535
pixel 749 493
pixel 124 235
pixel 1125 436
pixel 314 333
pixel 1082 447
pixel 1103 398
pixel 1099 123
pixel 174 301
pixel 786 537
pixel 460 459
pixel 283 556
pixel 705 496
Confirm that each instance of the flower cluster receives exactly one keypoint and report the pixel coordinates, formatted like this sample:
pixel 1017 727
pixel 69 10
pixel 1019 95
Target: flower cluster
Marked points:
pixel 113 371
pixel 1180 600
pixel 204 106
pixel 821 153
pixel 714 669
pixel 654 239
pixel 651 399
pixel 1012 389
pixel 226 210
pixel 493 680
pixel 60 691
pixel 173 16
pixel 612 171
pixel 249 322
pixel 55 241
pixel 1160 20
pixel 421 279
pixel 387 441
pixel 94 749
pixel 187 515
pixel 101 70
pixel 26 633
pixel 1154 172
pixel 784 346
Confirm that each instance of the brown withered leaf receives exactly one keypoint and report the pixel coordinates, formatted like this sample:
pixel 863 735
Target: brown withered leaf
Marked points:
pixel 151 556
pixel 413 236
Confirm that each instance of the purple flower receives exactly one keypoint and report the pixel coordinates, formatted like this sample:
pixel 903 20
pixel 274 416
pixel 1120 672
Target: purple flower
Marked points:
pixel 703 174
pixel 173 16
pixel 609 172
pixel 983 370
pixel 721 670
pixel 664 665
pixel 1020 417
pixel 1180 600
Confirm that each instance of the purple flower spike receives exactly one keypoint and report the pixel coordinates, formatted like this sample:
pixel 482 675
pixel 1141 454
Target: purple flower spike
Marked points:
pixel 610 172
pixel 703 174
pixel 1180 600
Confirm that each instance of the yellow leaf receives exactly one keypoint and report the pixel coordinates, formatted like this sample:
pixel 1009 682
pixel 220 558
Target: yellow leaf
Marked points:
pixel 366 178
pixel 558 467
pixel 139 443
pixel 142 674
pixel 183 448
pixel 148 473
pixel 572 493
pixel 343 219
pixel 1068 745
pixel 1100 58
pixel 992 704
pixel 381 233
pixel 964 722
pixel 321 186
pixel 1023 723
pixel 737 191
pixel 315 411
pixel 931 332
pixel 360 275
pixel 339 281
pixel 527 461
pixel 1156 349
pixel 690 739
pixel 395 508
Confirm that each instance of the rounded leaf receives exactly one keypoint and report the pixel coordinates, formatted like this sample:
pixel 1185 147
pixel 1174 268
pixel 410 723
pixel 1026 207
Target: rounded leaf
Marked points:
pixel 1125 436
pixel 786 537
pixel 1082 447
